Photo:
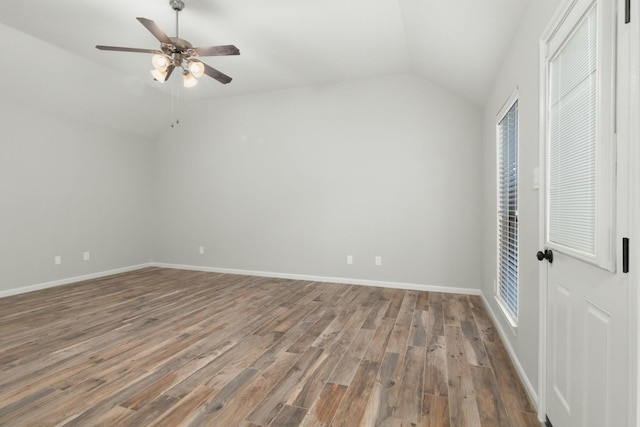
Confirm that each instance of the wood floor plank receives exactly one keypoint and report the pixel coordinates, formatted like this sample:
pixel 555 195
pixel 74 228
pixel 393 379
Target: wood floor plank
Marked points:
pixel 305 341
pixel 240 361
pixel 435 376
pixel 512 390
pixel 325 407
pixel 395 303
pixel 491 409
pixel 289 416
pixel 115 416
pixel 185 408
pixel 330 333
pixel 276 351
pixel 384 394
pixel 213 405
pixel 456 308
pixel 474 348
pixel 418 332
pixel 485 326
pixel 99 399
pixel 435 411
pixel 159 346
pixel 400 334
pixel 344 373
pixel 409 404
pixel 236 409
pixel 150 411
pixel 376 315
pixel 457 364
pixel 463 407
pixel 18 410
pixel 422 302
pixel 354 402
pixel 435 325
pixel 269 407
pixel 378 345
pixel 408 303
pixel 308 392
pixel 522 419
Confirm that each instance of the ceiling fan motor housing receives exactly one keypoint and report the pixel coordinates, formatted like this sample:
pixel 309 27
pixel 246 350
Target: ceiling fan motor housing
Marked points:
pixel 179 45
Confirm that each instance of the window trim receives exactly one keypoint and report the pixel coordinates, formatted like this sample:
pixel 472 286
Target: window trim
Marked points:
pixel 512 318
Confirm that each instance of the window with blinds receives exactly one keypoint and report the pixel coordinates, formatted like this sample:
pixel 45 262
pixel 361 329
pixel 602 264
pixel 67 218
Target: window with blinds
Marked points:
pixel 572 139
pixel 507 133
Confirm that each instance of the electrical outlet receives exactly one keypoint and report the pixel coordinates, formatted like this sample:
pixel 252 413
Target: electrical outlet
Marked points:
pixel 57 260
pixel 349 259
pixel 86 256
pixel 201 250
pixel 378 260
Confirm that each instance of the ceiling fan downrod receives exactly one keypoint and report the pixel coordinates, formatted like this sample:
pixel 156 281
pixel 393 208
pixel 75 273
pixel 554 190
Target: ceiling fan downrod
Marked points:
pixel 177 5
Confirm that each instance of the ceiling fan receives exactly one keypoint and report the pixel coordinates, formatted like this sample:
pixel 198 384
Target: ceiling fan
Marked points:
pixel 176 52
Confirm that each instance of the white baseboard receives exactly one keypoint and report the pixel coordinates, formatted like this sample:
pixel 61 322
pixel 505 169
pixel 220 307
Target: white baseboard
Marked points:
pixel 69 280
pixel 329 279
pixel 533 395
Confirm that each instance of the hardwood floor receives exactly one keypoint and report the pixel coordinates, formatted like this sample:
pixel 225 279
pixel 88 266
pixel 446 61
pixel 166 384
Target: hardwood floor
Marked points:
pixel 167 347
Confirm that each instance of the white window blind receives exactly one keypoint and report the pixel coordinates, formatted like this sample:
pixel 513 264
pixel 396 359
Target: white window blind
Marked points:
pixel 572 139
pixel 508 210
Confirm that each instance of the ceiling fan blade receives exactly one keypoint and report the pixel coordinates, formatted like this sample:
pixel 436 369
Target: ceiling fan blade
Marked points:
pixel 155 30
pixel 170 69
pixel 128 49
pixel 217 50
pixel 212 72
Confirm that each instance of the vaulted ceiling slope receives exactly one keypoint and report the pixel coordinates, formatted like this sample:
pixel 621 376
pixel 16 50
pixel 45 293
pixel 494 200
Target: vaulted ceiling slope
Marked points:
pixel 49 47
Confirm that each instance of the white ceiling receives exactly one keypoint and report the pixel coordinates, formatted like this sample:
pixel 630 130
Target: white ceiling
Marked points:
pixel 283 43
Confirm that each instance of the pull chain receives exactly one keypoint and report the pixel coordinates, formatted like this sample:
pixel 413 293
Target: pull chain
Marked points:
pixel 173 96
pixel 175 104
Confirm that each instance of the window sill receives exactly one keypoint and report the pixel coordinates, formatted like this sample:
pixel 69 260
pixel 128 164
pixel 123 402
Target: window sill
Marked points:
pixel 513 325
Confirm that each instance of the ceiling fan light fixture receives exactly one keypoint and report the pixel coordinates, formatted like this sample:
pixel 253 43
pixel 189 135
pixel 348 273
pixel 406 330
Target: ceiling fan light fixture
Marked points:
pixel 160 62
pixel 196 68
pixel 189 80
pixel 160 76
pixel 178 54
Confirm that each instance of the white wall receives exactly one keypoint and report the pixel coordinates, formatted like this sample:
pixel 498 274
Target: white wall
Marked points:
pixel 294 181
pixel 519 70
pixel 65 188
pixel 78 88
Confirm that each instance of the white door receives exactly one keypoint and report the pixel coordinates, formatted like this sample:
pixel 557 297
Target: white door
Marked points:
pixel 588 364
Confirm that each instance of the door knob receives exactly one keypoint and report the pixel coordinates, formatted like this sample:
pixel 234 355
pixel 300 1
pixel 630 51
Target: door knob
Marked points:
pixel 547 254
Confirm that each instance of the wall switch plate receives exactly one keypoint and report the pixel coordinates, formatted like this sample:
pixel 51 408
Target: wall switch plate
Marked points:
pixel 57 260
pixel 86 256
pixel 536 178
pixel 378 260
pixel 201 250
pixel 349 259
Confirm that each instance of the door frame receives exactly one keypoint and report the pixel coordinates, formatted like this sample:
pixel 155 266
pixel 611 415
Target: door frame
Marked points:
pixel 634 188
pixel 634 211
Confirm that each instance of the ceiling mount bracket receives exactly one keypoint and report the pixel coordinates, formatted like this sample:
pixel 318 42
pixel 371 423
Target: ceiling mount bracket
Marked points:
pixel 176 5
